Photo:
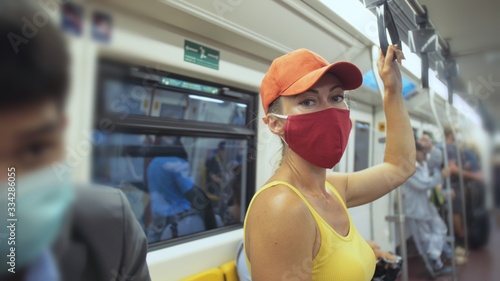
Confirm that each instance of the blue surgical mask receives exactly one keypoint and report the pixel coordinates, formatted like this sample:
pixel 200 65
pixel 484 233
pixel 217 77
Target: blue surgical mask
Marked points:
pixel 42 200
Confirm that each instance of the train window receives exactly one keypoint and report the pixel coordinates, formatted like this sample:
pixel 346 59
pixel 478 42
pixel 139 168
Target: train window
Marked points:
pixel 126 98
pixel 122 99
pixel 177 154
pixel 157 171
pixel 176 105
pixel 362 146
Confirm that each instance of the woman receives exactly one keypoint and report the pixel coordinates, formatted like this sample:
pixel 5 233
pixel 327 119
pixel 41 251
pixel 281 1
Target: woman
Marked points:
pixel 297 226
pixel 244 274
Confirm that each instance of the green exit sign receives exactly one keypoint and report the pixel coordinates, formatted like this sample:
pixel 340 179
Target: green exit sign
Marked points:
pixel 201 55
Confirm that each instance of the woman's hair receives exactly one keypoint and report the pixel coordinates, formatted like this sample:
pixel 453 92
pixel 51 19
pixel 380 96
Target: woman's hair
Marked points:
pixel 276 107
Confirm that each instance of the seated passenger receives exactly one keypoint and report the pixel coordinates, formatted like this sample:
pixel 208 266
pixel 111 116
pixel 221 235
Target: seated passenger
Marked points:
pixel 177 207
pixel 435 161
pixel 425 225
pixel 62 233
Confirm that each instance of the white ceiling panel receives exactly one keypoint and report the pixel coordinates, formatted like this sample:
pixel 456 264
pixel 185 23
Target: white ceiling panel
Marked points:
pixel 276 23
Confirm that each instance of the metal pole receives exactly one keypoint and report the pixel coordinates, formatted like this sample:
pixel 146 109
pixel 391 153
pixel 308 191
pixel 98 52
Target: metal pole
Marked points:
pixel 402 237
pixel 449 84
pixel 461 181
pixel 425 70
pixel 400 218
pixel 451 237
pixel 449 81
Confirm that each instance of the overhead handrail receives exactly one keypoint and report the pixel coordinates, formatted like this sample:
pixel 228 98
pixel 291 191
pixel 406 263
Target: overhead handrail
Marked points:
pixel 386 24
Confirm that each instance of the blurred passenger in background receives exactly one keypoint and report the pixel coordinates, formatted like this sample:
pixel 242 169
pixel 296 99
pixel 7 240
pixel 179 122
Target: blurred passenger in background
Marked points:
pixel 178 207
pixel 425 225
pixel 435 161
pixel 472 161
pixel 61 232
pixel 434 157
pixel 496 179
pixel 452 150
pixel 477 215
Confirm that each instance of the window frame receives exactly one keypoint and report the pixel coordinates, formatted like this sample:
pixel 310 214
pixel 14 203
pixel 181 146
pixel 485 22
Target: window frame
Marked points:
pixel 153 125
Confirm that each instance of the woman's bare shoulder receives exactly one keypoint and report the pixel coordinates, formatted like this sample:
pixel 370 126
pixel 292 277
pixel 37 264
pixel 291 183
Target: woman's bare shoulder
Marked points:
pixel 276 222
pixel 279 200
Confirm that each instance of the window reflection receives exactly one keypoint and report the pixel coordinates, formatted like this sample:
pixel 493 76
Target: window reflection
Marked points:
pixel 176 185
pixel 126 99
pixel 162 152
pixel 129 99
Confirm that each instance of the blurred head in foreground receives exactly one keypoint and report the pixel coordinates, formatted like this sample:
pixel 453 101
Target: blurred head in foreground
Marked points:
pixel 33 90
pixel 54 234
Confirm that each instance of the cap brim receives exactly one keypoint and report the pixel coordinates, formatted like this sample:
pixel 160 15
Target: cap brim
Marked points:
pixel 348 74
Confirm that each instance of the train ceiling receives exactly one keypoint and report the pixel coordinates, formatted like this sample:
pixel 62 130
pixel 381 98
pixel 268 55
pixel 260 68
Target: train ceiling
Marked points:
pixel 472 28
pixel 266 29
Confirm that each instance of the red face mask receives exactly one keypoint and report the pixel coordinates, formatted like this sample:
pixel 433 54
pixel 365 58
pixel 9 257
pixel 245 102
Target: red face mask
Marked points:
pixel 319 137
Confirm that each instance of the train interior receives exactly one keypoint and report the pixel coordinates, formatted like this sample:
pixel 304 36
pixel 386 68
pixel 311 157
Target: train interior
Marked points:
pixel 176 82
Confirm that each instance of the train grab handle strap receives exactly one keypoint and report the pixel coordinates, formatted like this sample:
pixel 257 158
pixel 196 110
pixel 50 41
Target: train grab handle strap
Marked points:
pixel 386 23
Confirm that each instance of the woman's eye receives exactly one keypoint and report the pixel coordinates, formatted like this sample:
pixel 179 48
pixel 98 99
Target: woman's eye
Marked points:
pixel 338 98
pixel 307 102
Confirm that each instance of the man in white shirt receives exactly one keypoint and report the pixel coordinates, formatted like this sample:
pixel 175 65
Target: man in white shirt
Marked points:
pixel 425 224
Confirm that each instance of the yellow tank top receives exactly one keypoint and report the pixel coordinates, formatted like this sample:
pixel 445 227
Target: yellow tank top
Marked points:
pixel 340 258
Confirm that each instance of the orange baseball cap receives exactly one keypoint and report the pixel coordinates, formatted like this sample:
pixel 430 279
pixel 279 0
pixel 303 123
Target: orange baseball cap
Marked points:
pixel 297 71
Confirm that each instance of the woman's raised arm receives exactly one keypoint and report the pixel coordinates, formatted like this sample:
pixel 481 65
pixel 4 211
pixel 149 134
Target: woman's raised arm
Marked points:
pixel 399 159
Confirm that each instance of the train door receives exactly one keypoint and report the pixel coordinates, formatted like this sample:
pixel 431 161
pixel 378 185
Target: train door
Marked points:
pixel 359 157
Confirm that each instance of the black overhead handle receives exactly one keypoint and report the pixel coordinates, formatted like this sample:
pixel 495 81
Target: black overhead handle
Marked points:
pixel 386 23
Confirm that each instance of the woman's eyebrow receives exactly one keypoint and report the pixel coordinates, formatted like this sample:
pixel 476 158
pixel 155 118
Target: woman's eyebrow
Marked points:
pixel 335 87
pixel 304 93
pixel 316 91
pixel 311 91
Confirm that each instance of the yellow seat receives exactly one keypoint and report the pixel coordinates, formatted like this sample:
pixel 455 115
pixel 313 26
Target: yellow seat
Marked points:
pixel 214 274
pixel 229 270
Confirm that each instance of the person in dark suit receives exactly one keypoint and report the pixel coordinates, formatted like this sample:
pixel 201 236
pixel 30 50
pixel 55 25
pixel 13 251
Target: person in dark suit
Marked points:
pixel 215 167
pixel 55 230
